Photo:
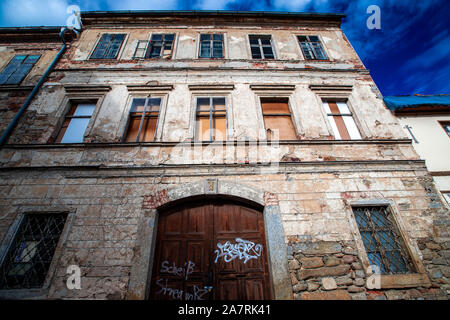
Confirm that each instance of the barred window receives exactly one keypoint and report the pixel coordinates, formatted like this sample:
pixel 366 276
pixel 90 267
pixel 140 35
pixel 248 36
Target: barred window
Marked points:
pixel 382 240
pixel 18 68
pixel 261 47
pixel 211 46
pixel 211 124
pixel 27 262
pixel 312 48
pixel 143 120
pixel 108 47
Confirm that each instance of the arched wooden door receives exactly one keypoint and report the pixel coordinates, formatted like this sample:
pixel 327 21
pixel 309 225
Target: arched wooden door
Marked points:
pixel 210 250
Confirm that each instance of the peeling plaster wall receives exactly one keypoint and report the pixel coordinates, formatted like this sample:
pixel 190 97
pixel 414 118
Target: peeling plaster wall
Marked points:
pixel 109 185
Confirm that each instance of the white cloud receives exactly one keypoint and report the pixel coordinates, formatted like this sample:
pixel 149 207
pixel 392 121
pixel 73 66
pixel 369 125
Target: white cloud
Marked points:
pixel 33 12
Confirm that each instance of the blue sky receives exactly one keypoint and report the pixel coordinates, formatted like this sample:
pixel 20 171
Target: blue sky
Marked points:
pixel 409 54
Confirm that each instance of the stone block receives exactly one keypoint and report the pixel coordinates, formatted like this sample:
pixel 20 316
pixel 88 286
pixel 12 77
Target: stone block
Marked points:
pixel 323 272
pixel 353 289
pixel 332 261
pixel 329 283
pixel 310 263
pixel 326 295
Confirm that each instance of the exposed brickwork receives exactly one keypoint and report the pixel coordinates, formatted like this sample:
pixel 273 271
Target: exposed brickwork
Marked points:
pixel 156 200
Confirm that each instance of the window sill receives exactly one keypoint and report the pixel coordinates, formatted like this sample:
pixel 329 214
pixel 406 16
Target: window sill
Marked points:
pixel 20 294
pixel 403 281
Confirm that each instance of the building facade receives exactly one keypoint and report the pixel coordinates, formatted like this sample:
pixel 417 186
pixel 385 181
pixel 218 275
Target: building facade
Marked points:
pixel 216 155
pixel 426 119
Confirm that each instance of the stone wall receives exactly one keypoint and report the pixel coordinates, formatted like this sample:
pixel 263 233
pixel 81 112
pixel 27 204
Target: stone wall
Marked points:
pixel 331 270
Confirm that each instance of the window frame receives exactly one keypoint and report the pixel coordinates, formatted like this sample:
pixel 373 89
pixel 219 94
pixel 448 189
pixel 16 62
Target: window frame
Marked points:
pixel 211 97
pixel 8 239
pixel 296 131
pixel 155 136
pixel 444 123
pixel 119 52
pixel 70 104
pixel 22 63
pixel 143 93
pixel 272 44
pixel 420 277
pixel 351 114
pixel 199 47
pixel 321 42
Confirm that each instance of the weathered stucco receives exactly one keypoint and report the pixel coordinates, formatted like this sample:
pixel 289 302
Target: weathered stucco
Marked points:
pixel 306 187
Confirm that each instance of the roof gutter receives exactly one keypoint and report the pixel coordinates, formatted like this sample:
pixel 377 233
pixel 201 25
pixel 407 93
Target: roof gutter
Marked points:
pixel 36 88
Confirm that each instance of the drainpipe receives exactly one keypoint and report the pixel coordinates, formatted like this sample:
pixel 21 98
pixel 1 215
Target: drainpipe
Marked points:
pixel 35 90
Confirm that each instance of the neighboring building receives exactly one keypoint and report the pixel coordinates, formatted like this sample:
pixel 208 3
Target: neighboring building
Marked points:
pixel 426 119
pixel 304 180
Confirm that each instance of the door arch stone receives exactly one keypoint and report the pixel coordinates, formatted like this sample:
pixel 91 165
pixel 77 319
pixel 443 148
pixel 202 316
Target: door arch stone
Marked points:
pixel 153 203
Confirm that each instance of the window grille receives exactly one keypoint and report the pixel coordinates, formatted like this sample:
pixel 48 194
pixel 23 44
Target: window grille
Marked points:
pixel 312 48
pixel 382 240
pixel 143 120
pixel 18 68
pixel 211 124
pixel 27 261
pixel 211 46
pixel 108 47
pixel 261 47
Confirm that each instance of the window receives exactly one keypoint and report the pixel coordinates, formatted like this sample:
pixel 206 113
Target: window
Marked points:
pixel 277 119
pixel 312 48
pixel 446 195
pixel 211 124
pixel 27 261
pixel 108 47
pixel 341 120
pixel 17 69
pixel 211 46
pixel 446 126
pixel 261 47
pixel 383 243
pixel 160 46
pixel 75 123
pixel 143 120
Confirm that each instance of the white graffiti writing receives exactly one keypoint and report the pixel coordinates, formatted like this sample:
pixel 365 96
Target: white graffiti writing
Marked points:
pixel 242 249
pixel 178 271
pixel 176 294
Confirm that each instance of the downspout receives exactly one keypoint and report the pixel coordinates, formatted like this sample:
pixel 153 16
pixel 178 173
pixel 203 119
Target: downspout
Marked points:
pixel 35 90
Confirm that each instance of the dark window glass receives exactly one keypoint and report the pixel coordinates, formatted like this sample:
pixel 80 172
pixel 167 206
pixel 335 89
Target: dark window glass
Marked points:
pixel 312 48
pixel 261 47
pixel 211 46
pixel 17 69
pixel 27 262
pixel 383 243
pixel 160 46
pixel 108 46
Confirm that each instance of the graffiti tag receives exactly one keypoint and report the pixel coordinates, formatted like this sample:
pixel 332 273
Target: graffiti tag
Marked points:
pixel 178 271
pixel 177 294
pixel 242 249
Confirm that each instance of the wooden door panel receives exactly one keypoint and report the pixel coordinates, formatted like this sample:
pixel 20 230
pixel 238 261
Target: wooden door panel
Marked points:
pixel 254 289
pixel 227 289
pixel 217 244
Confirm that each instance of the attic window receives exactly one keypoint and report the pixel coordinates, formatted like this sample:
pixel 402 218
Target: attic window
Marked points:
pixel 160 46
pixel 312 48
